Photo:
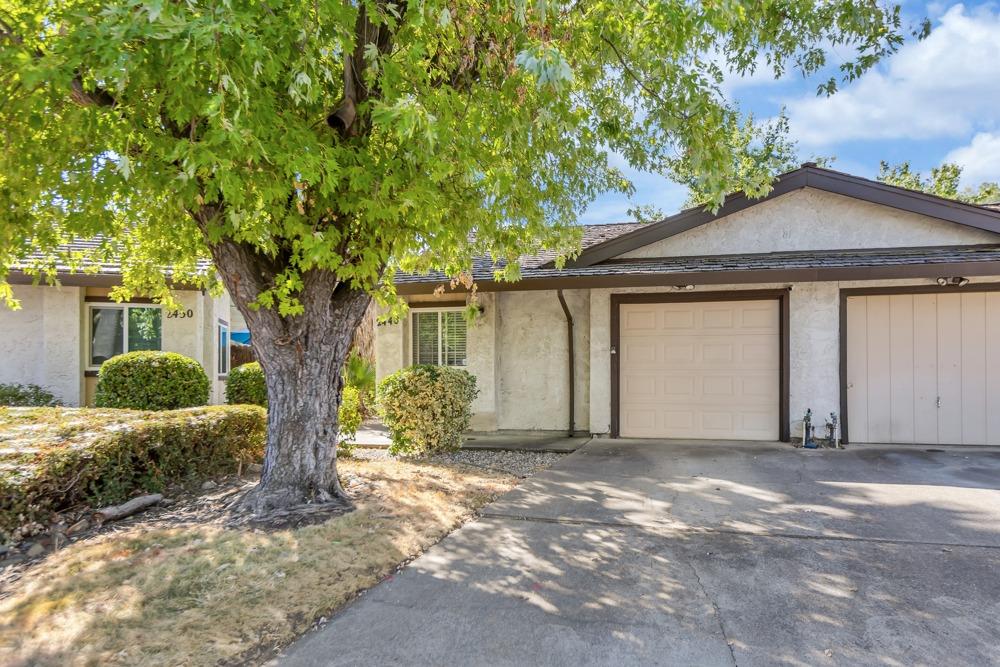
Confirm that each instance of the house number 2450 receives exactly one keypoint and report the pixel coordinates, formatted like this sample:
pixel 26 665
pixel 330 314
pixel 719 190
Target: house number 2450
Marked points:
pixel 181 314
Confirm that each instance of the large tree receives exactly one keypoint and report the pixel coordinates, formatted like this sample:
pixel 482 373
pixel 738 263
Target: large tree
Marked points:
pixel 312 148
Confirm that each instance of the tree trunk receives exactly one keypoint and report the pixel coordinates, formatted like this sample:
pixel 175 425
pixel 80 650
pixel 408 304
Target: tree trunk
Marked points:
pixel 302 357
pixel 304 385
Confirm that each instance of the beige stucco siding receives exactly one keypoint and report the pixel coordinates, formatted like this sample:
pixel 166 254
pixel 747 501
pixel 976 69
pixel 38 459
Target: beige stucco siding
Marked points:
pixel 40 343
pixel 518 352
pixel 811 219
pixel 533 354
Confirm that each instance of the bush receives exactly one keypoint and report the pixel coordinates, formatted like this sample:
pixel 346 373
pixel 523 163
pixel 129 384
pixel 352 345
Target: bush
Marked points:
pixel 426 408
pixel 246 385
pixel 26 395
pixel 359 373
pixel 349 416
pixel 151 381
pixel 53 459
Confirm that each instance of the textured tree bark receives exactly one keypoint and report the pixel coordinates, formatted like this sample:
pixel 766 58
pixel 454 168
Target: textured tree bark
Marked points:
pixel 302 357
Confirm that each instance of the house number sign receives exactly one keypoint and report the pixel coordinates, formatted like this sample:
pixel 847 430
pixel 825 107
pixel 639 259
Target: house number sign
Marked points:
pixel 180 314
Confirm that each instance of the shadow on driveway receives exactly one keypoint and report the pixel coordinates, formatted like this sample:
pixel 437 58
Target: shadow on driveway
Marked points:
pixel 646 552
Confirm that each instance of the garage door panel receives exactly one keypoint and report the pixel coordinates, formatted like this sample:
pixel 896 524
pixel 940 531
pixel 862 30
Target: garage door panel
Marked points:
pixel 857 367
pixel 992 367
pixel 921 368
pixel 974 368
pixel 925 418
pixel 949 383
pixel 718 363
pixel 901 367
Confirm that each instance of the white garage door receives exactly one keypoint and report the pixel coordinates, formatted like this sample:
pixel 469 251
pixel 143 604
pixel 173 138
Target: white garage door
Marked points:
pixel 699 370
pixel 924 368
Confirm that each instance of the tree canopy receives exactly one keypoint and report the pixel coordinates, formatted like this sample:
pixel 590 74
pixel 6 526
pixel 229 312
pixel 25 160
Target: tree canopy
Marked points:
pixel 943 181
pixel 361 137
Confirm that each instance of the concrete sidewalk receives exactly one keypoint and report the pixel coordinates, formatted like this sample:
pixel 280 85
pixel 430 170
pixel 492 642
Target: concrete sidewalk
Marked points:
pixel 709 554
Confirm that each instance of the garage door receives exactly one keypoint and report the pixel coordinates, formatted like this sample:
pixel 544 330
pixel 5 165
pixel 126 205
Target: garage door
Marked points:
pixel 699 370
pixel 924 368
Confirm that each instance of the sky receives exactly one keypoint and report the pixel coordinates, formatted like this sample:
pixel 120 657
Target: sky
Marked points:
pixel 935 100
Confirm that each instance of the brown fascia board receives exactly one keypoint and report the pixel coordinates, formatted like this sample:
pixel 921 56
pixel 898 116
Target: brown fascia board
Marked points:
pixel 78 279
pixel 827 180
pixel 747 276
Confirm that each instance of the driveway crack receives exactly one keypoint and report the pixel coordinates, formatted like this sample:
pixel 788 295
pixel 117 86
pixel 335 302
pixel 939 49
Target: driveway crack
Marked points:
pixel 715 611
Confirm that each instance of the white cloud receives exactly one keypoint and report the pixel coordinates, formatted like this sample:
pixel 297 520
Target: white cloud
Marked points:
pixel 943 86
pixel 980 159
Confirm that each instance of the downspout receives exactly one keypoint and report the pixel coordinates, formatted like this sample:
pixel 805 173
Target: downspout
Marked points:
pixel 572 371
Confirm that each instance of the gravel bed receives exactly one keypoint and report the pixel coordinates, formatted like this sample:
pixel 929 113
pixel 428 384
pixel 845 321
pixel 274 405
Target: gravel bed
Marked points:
pixel 520 463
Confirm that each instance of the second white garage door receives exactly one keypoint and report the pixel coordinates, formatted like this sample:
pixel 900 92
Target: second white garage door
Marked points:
pixel 924 368
pixel 700 370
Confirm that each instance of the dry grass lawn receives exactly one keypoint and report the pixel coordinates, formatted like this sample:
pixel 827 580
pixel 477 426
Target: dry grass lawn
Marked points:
pixel 202 595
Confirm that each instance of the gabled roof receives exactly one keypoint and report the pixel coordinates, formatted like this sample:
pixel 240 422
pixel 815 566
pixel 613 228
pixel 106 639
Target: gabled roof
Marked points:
pixel 807 176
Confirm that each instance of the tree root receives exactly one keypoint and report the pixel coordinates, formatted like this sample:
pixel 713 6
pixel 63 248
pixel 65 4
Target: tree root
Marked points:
pixel 273 512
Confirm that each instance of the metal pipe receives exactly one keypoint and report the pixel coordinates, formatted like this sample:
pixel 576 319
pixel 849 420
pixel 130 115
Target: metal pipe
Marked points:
pixel 572 370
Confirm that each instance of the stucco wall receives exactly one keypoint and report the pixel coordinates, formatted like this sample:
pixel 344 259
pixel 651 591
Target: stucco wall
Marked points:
pixel 40 343
pixel 811 219
pixel 533 356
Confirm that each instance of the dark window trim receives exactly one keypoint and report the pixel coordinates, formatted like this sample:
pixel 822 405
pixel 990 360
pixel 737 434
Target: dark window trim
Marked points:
pixel 810 176
pixel 886 291
pixel 782 295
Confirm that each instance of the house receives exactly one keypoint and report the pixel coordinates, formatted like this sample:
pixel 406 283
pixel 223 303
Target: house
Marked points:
pixel 834 293
pixel 62 334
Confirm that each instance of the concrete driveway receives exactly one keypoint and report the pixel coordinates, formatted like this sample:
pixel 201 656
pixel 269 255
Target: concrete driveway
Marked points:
pixel 640 552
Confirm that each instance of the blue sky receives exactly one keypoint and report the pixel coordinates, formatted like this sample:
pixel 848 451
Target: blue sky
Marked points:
pixel 934 101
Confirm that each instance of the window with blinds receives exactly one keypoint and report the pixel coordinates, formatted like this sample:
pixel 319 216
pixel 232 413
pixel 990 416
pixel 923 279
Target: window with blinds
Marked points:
pixel 439 338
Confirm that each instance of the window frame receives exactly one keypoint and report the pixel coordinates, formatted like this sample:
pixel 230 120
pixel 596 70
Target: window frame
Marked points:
pixel 222 356
pixel 125 307
pixel 438 310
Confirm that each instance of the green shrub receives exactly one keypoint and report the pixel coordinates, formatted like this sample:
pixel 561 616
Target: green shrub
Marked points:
pixel 52 459
pixel 27 395
pixel 426 408
pixel 246 385
pixel 151 381
pixel 349 416
pixel 359 373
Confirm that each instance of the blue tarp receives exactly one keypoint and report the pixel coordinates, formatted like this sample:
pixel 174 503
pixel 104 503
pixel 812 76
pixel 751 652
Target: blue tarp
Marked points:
pixel 241 337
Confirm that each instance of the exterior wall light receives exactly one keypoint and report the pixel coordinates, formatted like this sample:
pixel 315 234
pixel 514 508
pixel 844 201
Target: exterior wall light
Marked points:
pixel 956 281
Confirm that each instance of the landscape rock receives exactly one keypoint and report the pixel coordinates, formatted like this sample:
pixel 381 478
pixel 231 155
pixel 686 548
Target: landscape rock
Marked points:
pixel 35 550
pixel 208 485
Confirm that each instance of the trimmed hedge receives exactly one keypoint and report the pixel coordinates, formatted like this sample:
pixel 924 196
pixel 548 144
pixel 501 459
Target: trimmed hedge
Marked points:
pixel 246 385
pixel 52 459
pixel 27 395
pixel 151 381
pixel 426 408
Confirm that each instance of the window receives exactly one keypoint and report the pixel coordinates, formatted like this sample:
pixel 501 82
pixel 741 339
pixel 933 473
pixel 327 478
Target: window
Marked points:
pixel 116 329
pixel 223 345
pixel 439 337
